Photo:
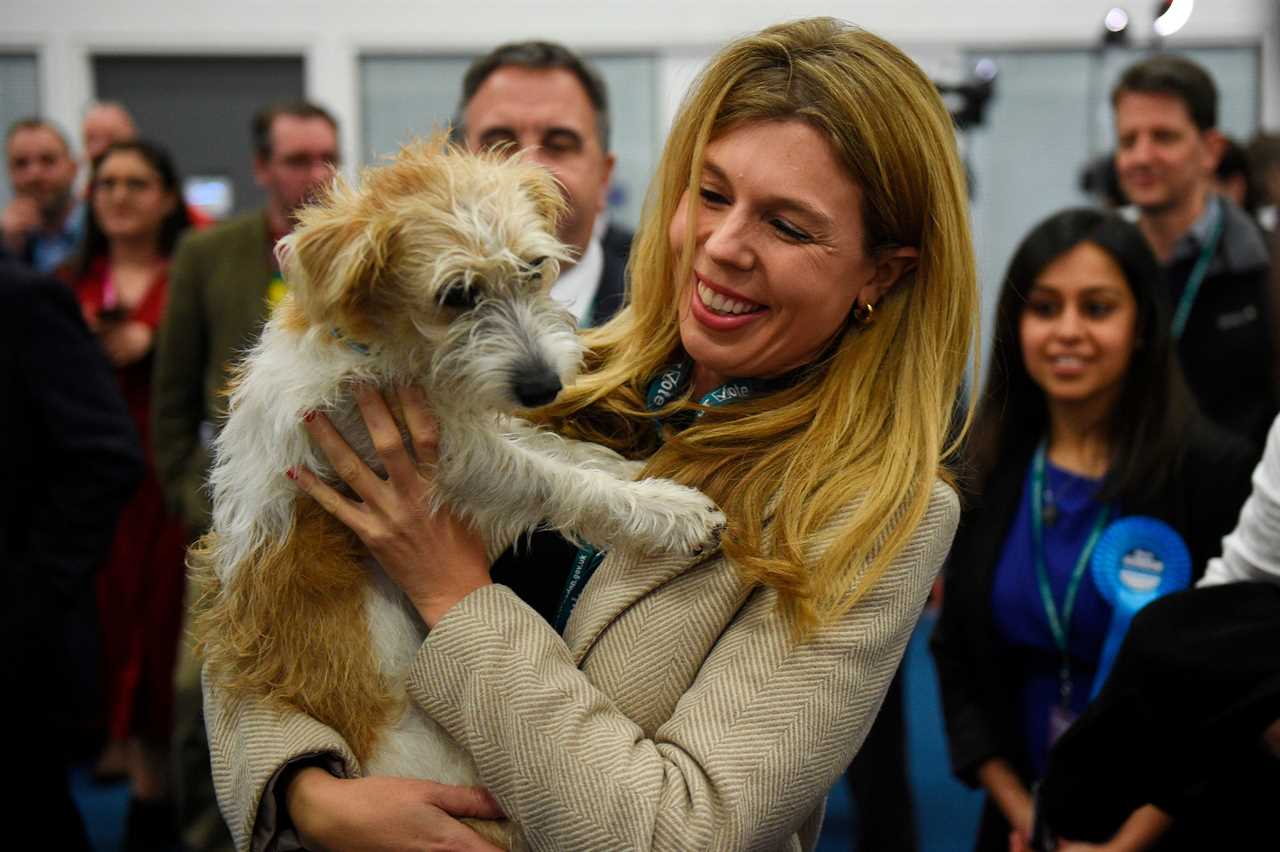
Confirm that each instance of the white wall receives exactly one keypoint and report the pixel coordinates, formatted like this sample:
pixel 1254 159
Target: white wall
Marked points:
pixel 331 34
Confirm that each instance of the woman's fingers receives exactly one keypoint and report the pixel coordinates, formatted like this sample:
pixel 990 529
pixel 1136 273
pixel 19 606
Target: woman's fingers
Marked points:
pixel 460 801
pixel 386 437
pixel 350 468
pixel 346 511
pixel 423 429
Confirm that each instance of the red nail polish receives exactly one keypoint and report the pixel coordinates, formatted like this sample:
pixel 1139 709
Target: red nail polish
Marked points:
pixel 292 473
pixel 309 416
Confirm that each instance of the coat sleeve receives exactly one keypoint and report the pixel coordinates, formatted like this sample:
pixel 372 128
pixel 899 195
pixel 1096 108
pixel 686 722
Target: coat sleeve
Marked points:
pixel 251 743
pixel 748 754
pixel 971 733
pixel 178 388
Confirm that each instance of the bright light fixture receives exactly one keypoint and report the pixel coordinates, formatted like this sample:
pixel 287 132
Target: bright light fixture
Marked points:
pixel 1174 18
pixel 1116 20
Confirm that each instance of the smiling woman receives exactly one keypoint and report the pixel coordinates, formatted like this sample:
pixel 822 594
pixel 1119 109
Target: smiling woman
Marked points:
pixel 777 218
pixel 810 183
pixel 120 275
pixel 1085 419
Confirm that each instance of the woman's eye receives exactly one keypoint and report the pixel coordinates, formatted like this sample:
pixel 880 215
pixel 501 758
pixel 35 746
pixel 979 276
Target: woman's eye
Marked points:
pixel 790 231
pixel 1098 310
pixel 1042 309
pixel 710 196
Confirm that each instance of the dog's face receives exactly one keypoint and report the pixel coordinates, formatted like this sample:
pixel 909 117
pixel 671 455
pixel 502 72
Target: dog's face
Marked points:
pixel 440 263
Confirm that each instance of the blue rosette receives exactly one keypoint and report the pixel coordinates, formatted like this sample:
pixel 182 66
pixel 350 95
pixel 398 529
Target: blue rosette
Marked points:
pixel 1137 560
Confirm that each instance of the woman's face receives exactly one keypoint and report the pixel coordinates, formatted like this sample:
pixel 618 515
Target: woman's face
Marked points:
pixel 1078 328
pixel 778 251
pixel 129 197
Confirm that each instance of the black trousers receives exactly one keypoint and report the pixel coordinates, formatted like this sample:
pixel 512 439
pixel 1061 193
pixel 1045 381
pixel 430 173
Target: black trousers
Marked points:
pixel 1179 724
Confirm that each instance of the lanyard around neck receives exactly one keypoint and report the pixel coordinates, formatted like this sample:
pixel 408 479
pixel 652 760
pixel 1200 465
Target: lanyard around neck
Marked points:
pixel 672 381
pixel 664 388
pixel 1059 622
pixel 1198 273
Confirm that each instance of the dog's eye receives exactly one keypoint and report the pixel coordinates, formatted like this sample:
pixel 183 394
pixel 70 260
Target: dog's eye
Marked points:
pixel 458 295
pixel 536 265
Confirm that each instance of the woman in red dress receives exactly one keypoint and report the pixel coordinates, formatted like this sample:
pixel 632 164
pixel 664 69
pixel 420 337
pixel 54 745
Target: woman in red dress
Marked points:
pixel 134 220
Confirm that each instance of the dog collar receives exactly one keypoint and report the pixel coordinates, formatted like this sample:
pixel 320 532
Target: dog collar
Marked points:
pixel 352 344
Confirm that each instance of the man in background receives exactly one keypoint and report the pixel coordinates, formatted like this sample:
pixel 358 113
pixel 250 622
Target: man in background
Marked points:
pixel 41 226
pixel 1168 148
pixel 222 285
pixel 105 123
pixel 542 98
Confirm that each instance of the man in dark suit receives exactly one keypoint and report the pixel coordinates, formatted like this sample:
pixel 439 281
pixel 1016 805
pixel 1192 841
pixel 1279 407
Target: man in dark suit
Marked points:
pixel 74 459
pixel 541 97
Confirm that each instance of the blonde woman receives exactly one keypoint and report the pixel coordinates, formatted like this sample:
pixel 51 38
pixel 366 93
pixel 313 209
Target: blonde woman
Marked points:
pixel 805 240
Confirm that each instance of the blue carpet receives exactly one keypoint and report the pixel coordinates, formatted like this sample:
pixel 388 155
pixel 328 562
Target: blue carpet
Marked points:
pixel 946 811
pixel 103 807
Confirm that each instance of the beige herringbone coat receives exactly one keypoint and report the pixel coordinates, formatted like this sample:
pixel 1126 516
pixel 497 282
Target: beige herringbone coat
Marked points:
pixel 677 713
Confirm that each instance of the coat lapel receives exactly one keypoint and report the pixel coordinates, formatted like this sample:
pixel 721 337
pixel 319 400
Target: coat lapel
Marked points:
pixel 621 580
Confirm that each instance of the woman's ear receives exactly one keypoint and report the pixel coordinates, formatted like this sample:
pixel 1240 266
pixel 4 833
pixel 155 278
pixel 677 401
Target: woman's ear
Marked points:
pixel 891 266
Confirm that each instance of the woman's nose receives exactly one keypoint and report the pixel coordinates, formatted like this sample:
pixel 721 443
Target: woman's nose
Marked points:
pixel 1070 324
pixel 729 242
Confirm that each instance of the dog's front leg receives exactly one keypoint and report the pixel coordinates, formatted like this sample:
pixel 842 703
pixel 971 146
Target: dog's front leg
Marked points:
pixel 521 484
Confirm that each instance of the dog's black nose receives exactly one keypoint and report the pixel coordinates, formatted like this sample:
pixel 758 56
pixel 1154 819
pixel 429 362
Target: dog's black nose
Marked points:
pixel 536 387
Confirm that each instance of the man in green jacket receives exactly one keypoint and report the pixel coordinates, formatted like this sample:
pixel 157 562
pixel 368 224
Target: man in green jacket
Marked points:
pixel 222 285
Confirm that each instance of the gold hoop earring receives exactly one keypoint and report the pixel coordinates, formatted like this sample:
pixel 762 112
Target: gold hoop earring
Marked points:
pixel 864 314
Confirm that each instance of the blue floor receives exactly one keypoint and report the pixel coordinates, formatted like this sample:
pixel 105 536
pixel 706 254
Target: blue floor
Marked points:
pixel 946 812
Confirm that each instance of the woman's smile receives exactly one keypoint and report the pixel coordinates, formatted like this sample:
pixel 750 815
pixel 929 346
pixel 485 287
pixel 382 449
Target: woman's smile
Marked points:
pixel 721 309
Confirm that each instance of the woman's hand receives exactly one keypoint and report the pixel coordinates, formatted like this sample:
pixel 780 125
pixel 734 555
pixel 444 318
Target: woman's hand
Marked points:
pixel 436 559
pixel 1140 831
pixel 383 814
pixel 126 342
pixel 1013 799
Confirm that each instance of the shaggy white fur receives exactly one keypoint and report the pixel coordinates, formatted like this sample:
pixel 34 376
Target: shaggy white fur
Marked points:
pixel 435 275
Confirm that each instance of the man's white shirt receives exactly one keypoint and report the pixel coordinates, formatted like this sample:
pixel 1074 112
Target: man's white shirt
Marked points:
pixel 576 288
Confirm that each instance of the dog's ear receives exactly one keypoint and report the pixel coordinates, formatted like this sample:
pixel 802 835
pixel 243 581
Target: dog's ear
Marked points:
pixel 547 196
pixel 332 261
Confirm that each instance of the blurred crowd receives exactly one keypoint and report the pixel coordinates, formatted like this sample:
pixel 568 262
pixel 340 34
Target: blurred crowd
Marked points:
pixel 1134 372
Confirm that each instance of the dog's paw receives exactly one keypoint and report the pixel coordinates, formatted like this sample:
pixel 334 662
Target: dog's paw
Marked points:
pixel 684 519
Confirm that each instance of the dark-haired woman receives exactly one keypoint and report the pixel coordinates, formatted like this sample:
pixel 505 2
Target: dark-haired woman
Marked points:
pixel 1085 419
pixel 120 275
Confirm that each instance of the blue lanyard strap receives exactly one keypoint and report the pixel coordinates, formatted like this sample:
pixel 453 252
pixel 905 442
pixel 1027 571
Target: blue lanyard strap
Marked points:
pixel 666 386
pixel 1059 622
pixel 673 379
pixel 1198 273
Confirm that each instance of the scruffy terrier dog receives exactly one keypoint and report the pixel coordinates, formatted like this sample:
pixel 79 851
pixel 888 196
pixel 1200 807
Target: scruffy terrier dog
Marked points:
pixel 433 270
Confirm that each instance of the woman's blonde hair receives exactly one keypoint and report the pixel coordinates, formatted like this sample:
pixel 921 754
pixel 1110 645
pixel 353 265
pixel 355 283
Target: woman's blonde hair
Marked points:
pixel 869 423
